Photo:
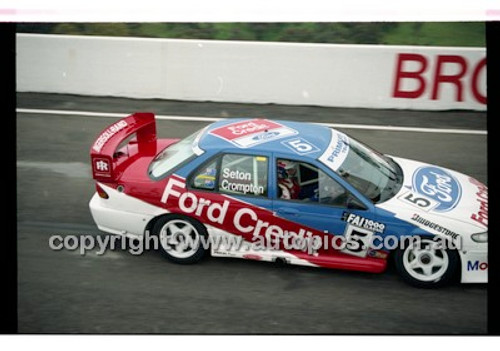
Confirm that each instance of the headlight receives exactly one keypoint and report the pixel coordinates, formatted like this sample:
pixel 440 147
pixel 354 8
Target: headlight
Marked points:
pixel 480 237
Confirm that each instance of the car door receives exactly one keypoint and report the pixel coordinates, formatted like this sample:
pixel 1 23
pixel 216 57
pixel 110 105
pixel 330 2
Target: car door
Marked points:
pixel 238 183
pixel 317 200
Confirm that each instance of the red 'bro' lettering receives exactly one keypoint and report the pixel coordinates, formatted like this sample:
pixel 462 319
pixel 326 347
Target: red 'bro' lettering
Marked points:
pixel 459 80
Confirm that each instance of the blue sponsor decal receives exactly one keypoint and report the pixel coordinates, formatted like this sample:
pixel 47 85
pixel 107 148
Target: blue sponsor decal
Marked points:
pixel 474 266
pixel 439 185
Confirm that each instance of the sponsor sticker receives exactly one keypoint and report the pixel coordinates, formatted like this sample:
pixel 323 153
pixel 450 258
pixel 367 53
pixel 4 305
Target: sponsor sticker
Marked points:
pixel 439 185
pixel 107 134
pixel 250 222
pixel 337 150
pixel 476 266
pixel 363 222
pixel 481 216
pixel 253 132
pixel 436 227
pixel 101 167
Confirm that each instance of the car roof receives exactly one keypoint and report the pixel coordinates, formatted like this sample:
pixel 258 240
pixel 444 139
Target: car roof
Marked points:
pixel 265 135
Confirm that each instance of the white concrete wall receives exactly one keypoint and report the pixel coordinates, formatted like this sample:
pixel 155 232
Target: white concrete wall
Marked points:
pixel 251 72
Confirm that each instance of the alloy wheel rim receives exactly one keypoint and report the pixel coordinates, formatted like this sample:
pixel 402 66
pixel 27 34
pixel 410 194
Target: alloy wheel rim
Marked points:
pixel 179 238
pixel 425 262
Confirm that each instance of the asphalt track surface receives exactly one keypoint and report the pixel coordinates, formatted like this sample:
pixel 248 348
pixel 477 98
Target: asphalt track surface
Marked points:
pixel 65 292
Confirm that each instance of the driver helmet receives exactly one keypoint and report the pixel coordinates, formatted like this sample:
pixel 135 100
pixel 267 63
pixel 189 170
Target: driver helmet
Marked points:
pixel 286 169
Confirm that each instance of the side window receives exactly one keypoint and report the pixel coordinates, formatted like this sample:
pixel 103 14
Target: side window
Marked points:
pixel 330 192
pixel 206 177
pixel 243 175
pixel 305 182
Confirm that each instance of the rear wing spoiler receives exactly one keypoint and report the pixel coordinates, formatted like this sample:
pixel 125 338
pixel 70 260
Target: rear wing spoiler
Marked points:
pixel 102 152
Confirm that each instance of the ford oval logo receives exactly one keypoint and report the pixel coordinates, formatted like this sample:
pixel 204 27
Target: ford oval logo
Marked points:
pixel 438 185
pixel 266 135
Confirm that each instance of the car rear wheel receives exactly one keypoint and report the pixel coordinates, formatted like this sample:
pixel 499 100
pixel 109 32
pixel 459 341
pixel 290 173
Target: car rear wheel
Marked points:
pixel 180 238
pixel 421 263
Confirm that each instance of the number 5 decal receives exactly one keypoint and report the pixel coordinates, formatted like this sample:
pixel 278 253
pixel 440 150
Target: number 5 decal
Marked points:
pixel 417 200
pixel 300 146
pixel 358 241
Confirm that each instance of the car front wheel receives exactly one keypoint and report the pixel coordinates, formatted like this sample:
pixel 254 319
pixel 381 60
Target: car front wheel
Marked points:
pixel 422 264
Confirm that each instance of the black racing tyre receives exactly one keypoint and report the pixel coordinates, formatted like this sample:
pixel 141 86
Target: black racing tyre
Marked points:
pixel 180 238
pixel 424 266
